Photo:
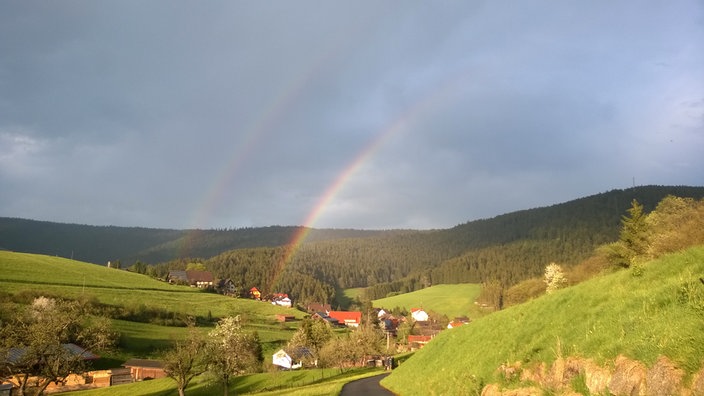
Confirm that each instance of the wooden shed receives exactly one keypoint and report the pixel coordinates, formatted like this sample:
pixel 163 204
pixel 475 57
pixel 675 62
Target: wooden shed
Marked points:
pixel 142 369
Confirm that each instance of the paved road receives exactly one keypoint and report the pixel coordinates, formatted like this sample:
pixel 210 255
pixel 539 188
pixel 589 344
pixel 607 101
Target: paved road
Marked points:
pixel 366 386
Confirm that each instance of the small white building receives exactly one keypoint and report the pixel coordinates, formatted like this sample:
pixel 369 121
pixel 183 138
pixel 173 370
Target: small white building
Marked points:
pixel 382 312
pixel 291 360
pixel 419 315
pixel 282 302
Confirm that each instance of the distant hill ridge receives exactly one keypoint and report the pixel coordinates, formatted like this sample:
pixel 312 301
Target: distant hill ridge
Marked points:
pixel 597 217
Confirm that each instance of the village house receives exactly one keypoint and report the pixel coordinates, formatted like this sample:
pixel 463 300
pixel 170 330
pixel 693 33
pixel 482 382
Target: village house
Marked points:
pixel 177 277
pixel 348 318
pixel 227 287
pixel 293 359
pixel 200 279
pixel 457 322
pixel 281 300
pixel 419 315
pixel 418 341
pixel 255 293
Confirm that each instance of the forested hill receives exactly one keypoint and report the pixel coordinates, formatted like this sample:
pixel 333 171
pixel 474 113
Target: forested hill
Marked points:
pixel 100 244
pixel 510 247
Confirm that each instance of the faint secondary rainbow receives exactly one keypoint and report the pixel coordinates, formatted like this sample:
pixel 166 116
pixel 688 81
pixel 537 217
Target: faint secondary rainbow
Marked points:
pixel 410 116
pixel 254 135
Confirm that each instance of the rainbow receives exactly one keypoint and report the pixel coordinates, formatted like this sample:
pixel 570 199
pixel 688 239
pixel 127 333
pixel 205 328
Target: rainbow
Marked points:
pixel 399 124
pixel 254 135
pixel 270 119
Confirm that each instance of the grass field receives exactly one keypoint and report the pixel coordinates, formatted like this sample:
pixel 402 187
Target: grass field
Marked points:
pixel 301 382
pixel 63 277
pixel 60 277
pixel 660 312
pixel 451 300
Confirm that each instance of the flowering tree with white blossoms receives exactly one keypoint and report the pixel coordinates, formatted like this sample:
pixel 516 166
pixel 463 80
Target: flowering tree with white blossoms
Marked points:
pixel 554 278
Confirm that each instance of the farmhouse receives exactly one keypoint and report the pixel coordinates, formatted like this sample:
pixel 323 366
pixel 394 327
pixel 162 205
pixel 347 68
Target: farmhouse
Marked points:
pixel 200 279
pixel 255 293
pixel 349 319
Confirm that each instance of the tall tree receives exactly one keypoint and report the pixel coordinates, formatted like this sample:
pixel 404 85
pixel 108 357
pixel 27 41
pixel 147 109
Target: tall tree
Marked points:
pixel 37 343
pixel 633 237
pixel 186 360
pixel 312 335
pixel 231 351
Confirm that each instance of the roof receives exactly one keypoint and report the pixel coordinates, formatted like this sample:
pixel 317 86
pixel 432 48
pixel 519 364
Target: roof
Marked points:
pixel 178 275
pixel 253 289
pixel 325 317
pixel 416 309
pixel 15 354
pixel 346 316
pixel 317 307
pixel 455 323
pixel 199 276
pixel 143 363
pixel 298 352
pixel 419 338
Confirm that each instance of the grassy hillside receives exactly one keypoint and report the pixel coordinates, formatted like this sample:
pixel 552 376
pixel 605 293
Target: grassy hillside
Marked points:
pixel 450 300
pixel 660 312
pixel 48 270
pixel 57 276
pixel 33 275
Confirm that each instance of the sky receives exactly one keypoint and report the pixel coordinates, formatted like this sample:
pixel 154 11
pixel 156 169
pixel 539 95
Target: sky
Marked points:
pixel 364 114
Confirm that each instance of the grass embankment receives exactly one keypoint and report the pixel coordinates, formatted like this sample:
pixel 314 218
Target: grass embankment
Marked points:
pixel 660 312
pixel 451 300
pixel 301 382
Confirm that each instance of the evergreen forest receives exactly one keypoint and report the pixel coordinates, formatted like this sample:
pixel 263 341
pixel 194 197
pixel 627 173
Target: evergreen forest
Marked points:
pixel 505 250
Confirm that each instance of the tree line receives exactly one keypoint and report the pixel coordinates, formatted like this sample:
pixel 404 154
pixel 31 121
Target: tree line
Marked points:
pixel 509 248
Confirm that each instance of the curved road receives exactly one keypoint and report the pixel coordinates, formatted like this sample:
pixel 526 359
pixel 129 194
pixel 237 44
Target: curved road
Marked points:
pixel 366 386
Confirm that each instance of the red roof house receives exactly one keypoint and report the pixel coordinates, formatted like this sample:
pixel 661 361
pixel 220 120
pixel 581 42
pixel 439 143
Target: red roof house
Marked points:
pixel 348 318
pixel 418 341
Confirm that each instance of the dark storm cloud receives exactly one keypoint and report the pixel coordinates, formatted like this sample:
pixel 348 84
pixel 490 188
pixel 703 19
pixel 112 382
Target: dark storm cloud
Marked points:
pixel 224 114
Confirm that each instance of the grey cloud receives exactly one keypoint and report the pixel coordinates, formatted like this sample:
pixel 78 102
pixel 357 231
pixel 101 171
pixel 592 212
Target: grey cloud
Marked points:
pixel 177 114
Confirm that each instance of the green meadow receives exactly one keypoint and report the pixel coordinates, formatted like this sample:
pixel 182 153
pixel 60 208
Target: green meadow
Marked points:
pixel 451 300
pixel 658 309
pixel 36 275
pixel 62 277
pixel 300 382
